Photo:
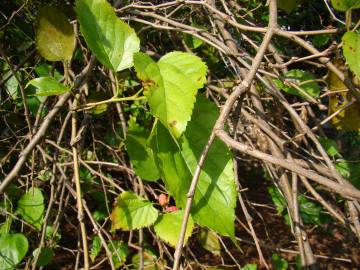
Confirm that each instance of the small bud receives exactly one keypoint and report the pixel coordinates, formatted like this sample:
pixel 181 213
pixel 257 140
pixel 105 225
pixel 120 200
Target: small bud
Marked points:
pixel 163 200
pixel 171 208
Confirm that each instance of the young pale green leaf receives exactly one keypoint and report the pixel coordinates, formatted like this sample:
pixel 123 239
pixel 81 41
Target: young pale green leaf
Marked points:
pixel 215 193
pixel 45 257
pixel 140 153
pixel 170 86
pixel 209 240
pixel 345 5
pixel 95 248
pixel 351 50
pixel 13 248
pixel 31 207
pixel 55 37
pixel 168 227
pixel 48 86
pixel 131 212
pixel 304 80
pixel 112 41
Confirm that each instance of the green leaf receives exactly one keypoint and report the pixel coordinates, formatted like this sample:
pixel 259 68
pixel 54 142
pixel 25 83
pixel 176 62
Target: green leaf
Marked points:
pixel 45 257
pixel 344 5
pixel 119 251
pixel 95 248
pixel 50 234
pixel 215 193
pixel 249 266
pixel 305 80
pixel 278 262
pixel 170 86
pixel 192 42
pixel 287 5
pixel 151 261
pixel 330 146
pixel 46 70
pixel 350 170
pixel 321 40
pixel 96 97
pixel 48 86
pixel 13 248
pixel 310 212
pixel 208 239
pixel 132 212
pixel 168 227
pixel 278 199
pixel 12 86
pixel 140 153
pixel 31 207
pixel 33 105
pixel 55 38
pixel 112 41
pixel 5 227
pixel 351 50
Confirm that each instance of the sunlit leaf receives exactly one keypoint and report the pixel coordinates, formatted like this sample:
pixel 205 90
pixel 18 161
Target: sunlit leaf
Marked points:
pixel 351 49
pixel 168 227
pixel 215 193
pixel 55 38
pixel 112 41
pixel 131 212
pixel 13 248
pixel 344 5
pixel 48 86
pixel 304 80
pixel 170 86
pixel 250 266
pixel 31 207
